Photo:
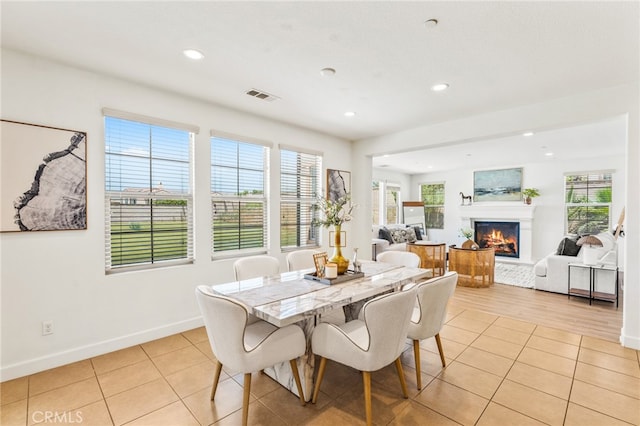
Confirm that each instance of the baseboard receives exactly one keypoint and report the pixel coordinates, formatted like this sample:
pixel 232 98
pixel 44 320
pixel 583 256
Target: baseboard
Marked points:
pixel 629 341
pixel 36 365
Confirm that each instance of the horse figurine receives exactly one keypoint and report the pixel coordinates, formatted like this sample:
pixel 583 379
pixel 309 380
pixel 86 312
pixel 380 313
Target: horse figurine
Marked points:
pixel 465 198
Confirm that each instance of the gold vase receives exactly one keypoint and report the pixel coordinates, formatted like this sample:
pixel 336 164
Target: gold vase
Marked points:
pixel 470 244
pixel 338 258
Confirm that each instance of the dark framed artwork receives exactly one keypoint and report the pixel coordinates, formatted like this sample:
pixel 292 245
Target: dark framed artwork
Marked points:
pixel 497 185
pixel 338 184
pixel 43 178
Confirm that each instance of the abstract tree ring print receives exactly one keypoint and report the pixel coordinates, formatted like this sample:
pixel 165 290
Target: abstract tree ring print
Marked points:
pixel 44 178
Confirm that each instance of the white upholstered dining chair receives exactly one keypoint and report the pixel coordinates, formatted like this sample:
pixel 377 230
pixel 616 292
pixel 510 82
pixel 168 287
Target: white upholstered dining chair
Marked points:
pixel 245 347
pixel 246 268
pixel 429 314
pixel 401 258
pixel 301 259
pixel 373 341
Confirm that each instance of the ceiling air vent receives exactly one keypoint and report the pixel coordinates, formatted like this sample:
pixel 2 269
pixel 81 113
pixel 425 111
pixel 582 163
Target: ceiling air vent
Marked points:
pixel 262 95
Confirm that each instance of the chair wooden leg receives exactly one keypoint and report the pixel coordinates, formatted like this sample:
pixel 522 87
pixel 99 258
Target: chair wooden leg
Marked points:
pixel 296 376
pixel 316 389
pixel 245 398
pixel 366 380
pixel 403 382
pixel 416 355
pixel 216 378
pixel 444 363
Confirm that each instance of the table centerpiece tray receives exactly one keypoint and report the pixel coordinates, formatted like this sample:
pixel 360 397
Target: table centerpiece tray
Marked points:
pixel 347 276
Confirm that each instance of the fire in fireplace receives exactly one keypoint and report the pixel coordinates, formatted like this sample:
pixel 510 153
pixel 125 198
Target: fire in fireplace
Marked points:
pixel 504 237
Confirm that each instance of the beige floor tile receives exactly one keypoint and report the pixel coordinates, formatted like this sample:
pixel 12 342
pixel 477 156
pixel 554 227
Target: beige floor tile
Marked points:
pixel 547 361
pixel 581 416
pixel 228 399
pixel 530 402
pixel 453 402
pixel 197 335
pixel 118 359
pixel 608 379
pixel 339 378
pixel 451 349
pixel 507 334
pixel 194 379
pixel 606 402
pixel 289 409
pixel 14 413
pixel 514 324
pixel 66 398
pixel 468 324
pixel 137 402
pixel 125 378
pixel 486 361
pixel 553 346
pixel 259 415
pixel 416 414
pixel 165 345
pixel 261 384
pixel 496 414
pixel 387 377
pixel 60 376
pixel 95 414
pixel 610 362
pixel 458 335
pixel 557 334
pixel 205 348
pixel 333 416
pixel 14 390
pixel 179 360
pixel 542 380
pixel 497 346
pixel 612 348
pixel 472 379
pixel 474 315
pixel 170 415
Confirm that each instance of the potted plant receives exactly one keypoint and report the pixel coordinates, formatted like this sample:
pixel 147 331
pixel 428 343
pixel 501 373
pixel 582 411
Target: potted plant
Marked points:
pixel 529 193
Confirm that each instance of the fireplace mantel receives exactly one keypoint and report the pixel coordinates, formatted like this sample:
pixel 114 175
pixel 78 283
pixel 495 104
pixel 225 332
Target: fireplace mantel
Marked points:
pixel 522 213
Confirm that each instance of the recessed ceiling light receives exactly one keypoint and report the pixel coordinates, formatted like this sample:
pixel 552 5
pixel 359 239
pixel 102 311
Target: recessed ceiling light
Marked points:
pixel 431 23
pixel 327 72
pixel 440 87
pixel 350 114
pixel 429 167
pixel 549 154
pixel 527 134
pixel 193 54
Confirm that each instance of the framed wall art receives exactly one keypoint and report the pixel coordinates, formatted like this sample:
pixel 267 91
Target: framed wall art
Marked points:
pixel 43 175
pixel 497 185
pixel 338 184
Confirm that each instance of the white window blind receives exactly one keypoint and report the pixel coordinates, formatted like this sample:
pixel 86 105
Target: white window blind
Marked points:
pixel 299 186
pixel 149 203
pixel 239 188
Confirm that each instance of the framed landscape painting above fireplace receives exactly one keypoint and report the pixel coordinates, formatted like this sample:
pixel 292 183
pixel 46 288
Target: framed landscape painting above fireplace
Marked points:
pixel 497 185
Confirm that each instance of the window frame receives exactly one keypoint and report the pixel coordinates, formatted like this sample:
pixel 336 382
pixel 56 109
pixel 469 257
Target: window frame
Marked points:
pixel 433 206
pixel 606 176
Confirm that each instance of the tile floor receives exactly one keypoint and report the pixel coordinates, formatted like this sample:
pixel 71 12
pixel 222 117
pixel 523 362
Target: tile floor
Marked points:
pixel 499 371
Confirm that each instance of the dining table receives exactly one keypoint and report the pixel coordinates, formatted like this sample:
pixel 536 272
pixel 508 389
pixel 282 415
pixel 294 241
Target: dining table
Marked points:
pixel 296 298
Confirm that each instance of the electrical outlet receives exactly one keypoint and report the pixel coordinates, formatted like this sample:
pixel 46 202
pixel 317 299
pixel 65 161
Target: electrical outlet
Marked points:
pixel 47 327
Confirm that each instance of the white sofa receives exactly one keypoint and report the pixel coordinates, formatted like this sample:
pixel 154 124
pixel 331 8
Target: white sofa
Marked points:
pixel 552 271
pixel 382 245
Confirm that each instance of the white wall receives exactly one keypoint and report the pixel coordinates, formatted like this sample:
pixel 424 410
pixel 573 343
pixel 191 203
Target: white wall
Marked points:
pixel 59 276
pixel 551 114
pixel 548 177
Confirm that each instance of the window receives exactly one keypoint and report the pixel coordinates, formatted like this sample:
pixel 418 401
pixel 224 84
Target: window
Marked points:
pixel 239 195
pixel 299 186
pixel 148 191
pixel 588 202
pixel 392 203
pixel 375 202
pixel 432 195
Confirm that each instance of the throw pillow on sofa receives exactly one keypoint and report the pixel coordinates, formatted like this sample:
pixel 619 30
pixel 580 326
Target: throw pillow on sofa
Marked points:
pixel 568 247
pixel 385 234
pixel 406 235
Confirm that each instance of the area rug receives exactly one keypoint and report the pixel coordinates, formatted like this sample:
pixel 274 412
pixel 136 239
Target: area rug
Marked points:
pixel 514 274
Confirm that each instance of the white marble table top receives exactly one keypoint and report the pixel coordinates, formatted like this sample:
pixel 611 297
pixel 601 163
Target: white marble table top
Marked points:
pixel 287 298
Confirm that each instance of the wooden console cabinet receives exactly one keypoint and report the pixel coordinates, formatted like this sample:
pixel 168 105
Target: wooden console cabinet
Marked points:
pixel 432 256
pixel 475 268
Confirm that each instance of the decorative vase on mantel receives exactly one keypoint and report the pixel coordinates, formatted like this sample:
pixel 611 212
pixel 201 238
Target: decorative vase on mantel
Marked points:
pixel 470 244
pixel 337 258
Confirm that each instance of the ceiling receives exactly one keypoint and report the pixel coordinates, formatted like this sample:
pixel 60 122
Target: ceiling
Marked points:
pixel 494 55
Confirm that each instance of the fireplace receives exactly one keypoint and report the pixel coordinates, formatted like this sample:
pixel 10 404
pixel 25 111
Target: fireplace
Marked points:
pixel 504 237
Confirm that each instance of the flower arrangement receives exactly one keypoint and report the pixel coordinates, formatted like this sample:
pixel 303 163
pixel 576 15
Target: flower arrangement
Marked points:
pixel 466 232
pixel 335 212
